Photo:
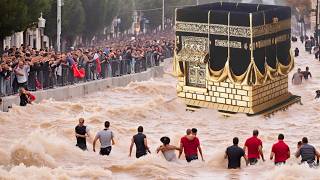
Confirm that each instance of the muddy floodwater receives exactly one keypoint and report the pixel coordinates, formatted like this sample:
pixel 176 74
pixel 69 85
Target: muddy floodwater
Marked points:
pixel 37 141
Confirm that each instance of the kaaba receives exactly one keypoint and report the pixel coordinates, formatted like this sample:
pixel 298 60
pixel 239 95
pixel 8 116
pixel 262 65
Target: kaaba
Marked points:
pixel 233 57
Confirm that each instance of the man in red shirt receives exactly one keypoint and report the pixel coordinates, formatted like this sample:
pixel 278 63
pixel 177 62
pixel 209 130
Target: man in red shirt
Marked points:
pixel 254 146
pixel 190 144
pixel 280 151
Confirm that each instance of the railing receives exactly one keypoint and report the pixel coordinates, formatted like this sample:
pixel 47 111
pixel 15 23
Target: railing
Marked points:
pixel 42 79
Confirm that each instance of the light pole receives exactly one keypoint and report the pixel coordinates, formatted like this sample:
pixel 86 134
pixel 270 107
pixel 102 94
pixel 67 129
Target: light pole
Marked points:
pixel 41 26
pixel 59 5
pixel 162 14
pixel 317 23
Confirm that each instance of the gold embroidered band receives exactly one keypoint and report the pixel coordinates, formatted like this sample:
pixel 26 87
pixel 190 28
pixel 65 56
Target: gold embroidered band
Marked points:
pixel 235 31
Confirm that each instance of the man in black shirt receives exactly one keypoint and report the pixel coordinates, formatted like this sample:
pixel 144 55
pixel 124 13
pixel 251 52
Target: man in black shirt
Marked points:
pixel 234 154
pixel 81 132
pixel 140 140
pixel 306 73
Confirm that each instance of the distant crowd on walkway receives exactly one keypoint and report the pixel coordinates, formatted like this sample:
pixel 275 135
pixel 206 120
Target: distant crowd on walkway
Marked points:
pixel 32 69
pixel 252 151
pixel 310 45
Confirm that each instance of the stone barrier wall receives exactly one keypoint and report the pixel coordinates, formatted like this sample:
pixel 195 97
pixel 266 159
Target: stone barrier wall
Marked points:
pixel 80 90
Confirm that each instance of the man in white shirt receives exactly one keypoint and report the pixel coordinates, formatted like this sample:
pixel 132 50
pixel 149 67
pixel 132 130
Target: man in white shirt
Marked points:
pixel 106 140
pixel 297 77
pixel 21 72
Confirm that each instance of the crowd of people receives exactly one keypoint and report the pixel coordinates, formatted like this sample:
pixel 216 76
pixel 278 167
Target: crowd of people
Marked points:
pixel 310 45
pixel 31 69
pixel 252 151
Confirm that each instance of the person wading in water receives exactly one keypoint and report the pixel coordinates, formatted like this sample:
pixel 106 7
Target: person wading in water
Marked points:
pixel 140 140
pixel 81 133
pixel 168 150
pixel 106 138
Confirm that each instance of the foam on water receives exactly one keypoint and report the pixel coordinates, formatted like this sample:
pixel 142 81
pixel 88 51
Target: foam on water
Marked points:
pixel 37 141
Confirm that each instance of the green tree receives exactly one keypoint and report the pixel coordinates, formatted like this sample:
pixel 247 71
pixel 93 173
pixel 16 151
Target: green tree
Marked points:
pixel 99 14
pixel 17 15
pixel 73 20
pixel 113 8
pixel 125 13
pixel 13 17
pixel 95 17
pixel 152 9
pixel 34 8
pixel 51 22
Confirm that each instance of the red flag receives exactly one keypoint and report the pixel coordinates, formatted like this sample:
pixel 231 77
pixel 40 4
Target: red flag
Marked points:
pixel 98 65
pixel 78 73
pixel 31 97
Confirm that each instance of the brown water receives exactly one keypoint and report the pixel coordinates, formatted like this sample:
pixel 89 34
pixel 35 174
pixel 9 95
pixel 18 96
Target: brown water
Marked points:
pixel 37 142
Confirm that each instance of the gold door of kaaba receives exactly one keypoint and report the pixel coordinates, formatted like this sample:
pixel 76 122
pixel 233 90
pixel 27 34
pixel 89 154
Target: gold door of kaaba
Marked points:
pixel 196 75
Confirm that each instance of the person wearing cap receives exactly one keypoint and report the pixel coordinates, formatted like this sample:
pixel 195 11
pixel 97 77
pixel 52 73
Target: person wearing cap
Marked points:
pixel 167 149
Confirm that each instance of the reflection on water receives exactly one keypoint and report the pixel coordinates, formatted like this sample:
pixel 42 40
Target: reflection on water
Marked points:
pixel 37 142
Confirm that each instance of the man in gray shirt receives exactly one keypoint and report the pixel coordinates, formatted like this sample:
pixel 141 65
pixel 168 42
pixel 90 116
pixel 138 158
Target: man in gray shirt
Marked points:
pixel 106 138
pixel 307 152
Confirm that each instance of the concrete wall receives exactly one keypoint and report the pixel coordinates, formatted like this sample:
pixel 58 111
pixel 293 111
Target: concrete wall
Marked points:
pixel 79 90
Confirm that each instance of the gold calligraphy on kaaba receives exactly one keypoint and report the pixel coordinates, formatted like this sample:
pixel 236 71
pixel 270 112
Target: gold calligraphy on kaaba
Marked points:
pixel 194 53
pixel 236 31
pixel 195 43
pixel 271 41
pixel 224 43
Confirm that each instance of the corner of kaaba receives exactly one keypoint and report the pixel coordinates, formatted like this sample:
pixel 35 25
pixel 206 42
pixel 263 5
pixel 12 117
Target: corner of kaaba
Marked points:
pixel 234 57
